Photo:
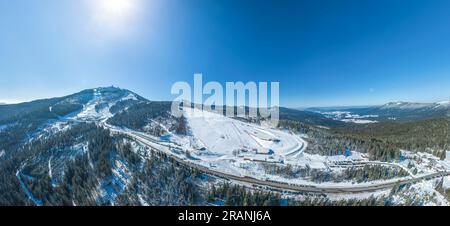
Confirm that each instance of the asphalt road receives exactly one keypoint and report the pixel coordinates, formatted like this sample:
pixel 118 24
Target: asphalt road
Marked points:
pixel 152 143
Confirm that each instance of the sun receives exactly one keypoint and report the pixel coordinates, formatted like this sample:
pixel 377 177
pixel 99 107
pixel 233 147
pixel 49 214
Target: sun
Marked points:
pixel 115 8
pixel 113 15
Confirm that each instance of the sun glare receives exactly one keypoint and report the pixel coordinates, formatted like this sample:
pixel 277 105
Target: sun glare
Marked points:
pixel 114 8
pixel 115 15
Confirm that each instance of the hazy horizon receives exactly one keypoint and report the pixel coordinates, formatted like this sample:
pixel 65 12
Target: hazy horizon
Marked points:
pixel 292 107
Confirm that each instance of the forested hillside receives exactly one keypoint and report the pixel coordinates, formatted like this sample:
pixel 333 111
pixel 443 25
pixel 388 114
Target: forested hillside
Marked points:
pixel 105 171
pixel 383 141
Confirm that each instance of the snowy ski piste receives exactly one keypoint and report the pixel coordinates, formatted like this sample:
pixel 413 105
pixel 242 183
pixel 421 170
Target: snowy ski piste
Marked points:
pixel 228 145
pixel 222 135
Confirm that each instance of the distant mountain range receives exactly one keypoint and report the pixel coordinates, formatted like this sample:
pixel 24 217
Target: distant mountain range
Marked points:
pixel 112 100
pixel 398 111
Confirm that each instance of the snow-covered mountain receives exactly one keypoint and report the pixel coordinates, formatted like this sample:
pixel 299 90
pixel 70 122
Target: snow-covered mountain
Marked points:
pixel 88 102
pixel 59 151
pixel 101 103
pixel 393 111
pixel 414 111
pixel 417 106
pixel 403 105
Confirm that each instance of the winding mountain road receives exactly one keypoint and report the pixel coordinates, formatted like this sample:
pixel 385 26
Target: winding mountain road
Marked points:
pixel 158 146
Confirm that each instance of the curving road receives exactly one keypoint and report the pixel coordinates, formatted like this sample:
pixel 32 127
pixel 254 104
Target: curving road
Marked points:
pixel 156 145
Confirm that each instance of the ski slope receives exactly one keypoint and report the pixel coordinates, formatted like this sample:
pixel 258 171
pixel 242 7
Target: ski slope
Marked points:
pixel 222 135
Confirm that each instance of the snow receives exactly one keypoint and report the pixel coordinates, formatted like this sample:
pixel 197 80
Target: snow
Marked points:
pixel 219 146
pixel 423 193
pixel 444 103
pixel 237 135
pixel 214 139
pixel 2 153
pixel 57 127
pixel 142 200
pixel 30 196
pixel 446 184
pixel 404 105
pixel 98 108
pixel 424 163
pixel 112 187
pixel 130 97
pixel 90 112
pixel 359 196
pixel 50 167
pixel 359 121
pixel 238 148
pixel 349 117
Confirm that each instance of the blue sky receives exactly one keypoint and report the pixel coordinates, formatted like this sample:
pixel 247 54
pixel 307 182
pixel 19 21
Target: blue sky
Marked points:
pixel 323 53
